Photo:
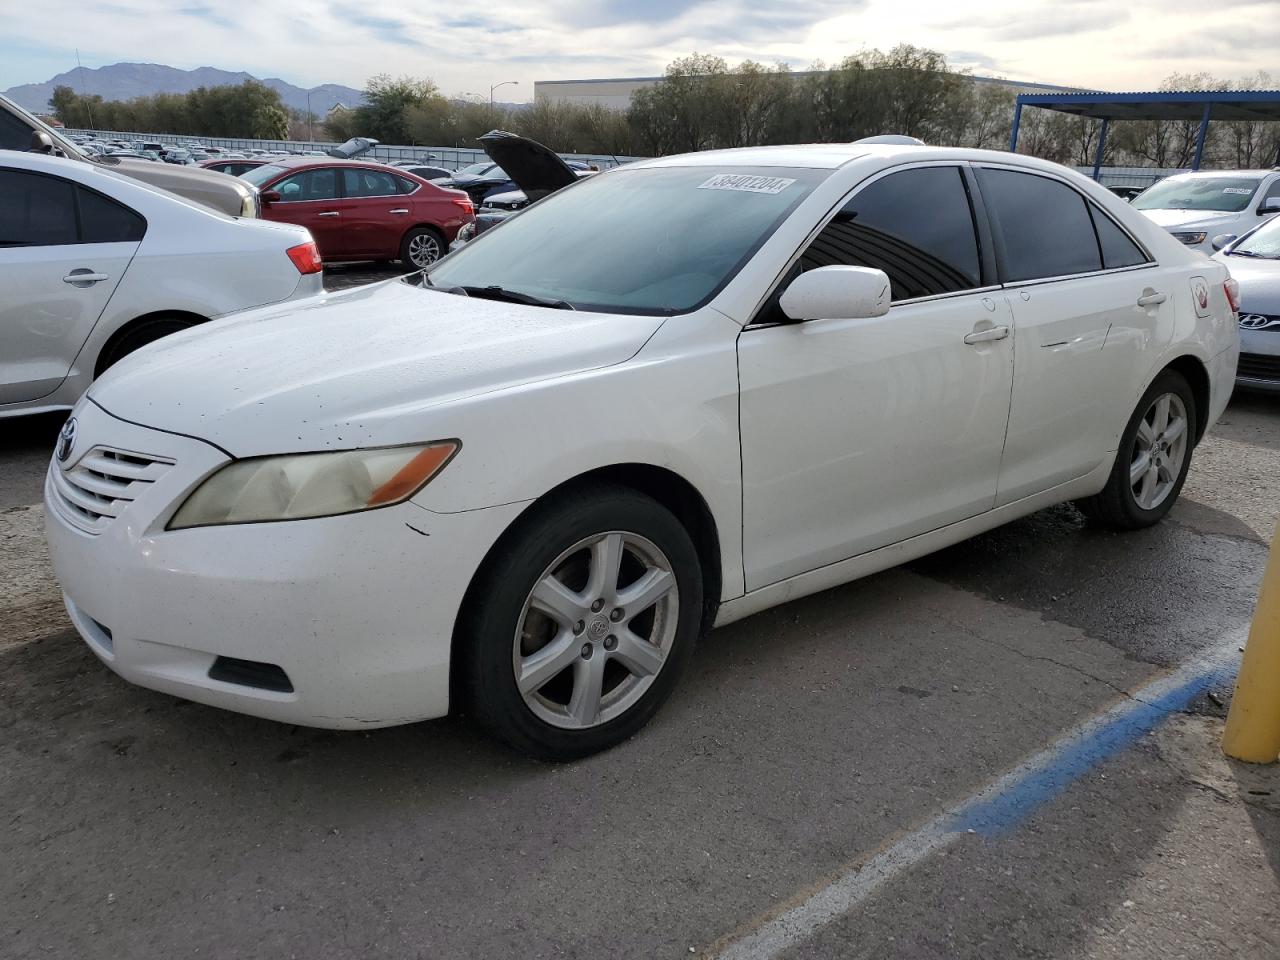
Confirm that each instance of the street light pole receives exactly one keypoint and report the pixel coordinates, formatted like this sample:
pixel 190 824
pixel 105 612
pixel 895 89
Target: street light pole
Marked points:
pixel 496 86
pixel 311 136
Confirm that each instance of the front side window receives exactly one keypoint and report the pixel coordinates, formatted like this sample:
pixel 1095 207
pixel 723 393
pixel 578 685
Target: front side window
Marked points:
pixel 36 211
pixel 358 182
pixel 648 240
pixel 1221 194
pixel 319 184
pixel 14 133
pixel 1045 225
pixel 917 226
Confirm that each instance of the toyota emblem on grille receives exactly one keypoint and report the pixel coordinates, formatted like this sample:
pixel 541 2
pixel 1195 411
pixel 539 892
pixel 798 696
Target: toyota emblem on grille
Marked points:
pixel 1258 321
pixel 66 440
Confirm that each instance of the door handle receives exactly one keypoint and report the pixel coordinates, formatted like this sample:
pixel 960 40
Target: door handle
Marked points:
pixel 1151 298
pixel 987 334
pixel 401 210
pixel 329 213
pixel 84 276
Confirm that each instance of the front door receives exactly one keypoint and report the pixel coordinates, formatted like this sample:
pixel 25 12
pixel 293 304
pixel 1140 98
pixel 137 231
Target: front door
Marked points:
pixel 57 273
pixel 861 433
pixel 311 198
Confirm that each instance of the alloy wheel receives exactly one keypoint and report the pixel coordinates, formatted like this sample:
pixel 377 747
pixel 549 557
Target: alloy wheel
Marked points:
pixel 596 630
pixel 1159 451
pixel 424 250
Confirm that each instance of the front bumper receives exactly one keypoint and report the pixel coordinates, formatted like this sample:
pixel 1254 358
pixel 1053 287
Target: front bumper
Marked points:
pixel 357 611
pixel 1259 359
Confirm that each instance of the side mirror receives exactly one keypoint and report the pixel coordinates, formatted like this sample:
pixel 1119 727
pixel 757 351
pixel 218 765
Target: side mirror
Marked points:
pixel 837 293
pixel 1270 205
pixel 41 142
pixel 1222 239
pixel 270 196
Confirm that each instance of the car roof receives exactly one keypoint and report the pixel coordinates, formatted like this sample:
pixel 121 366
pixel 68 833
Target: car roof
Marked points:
pixel 831 156
pixel 294 163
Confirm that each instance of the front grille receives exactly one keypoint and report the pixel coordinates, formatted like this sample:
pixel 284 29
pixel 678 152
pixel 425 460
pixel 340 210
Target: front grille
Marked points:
pixel 1258 367
pixel 103 483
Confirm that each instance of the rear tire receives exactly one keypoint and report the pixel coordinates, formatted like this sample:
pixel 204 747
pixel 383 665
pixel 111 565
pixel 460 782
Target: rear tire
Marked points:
pixel 580 623
pixel 136 337
pixel 421 247
pixel 1152 460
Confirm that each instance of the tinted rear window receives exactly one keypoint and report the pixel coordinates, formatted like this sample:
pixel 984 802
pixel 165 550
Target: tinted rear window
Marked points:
pixel 1044 224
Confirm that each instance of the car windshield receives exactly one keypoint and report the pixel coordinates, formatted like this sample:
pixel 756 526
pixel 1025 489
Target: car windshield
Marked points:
pixel 260 175
pixel 1222 194
pixel 486 168
pixel 656 240
pixel 1263 242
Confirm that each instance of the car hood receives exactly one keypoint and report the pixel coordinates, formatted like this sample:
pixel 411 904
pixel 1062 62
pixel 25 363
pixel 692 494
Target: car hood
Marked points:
pixel 1207 220
pixel 532 167
pixel 353 369
pixel 223 193
pixel 1259 283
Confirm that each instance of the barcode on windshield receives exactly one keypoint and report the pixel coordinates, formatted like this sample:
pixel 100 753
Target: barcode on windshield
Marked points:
pixel 747 184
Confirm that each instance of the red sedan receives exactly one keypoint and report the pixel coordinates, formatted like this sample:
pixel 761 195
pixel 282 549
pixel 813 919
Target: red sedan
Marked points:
pixel 358 210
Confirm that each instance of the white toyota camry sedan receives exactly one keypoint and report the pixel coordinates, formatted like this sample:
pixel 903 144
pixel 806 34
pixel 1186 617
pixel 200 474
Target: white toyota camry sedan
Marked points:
pixel 523 483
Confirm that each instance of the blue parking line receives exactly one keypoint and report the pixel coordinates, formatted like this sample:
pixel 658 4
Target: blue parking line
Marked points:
pixel 995 814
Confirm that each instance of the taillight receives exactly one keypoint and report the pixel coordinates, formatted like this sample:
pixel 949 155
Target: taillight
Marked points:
pixel 465 204
pixel 306 257
pixel 1232 289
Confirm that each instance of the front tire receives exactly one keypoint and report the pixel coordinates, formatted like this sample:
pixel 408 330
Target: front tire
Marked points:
pixel 1152 460
pixel 581 623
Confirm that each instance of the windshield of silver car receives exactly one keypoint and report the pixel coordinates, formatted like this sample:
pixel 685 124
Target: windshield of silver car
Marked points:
pixel 1221 194
pixel 649 240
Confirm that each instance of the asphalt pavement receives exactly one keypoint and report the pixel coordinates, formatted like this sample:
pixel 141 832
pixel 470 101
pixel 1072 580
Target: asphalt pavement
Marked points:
pixel 803 742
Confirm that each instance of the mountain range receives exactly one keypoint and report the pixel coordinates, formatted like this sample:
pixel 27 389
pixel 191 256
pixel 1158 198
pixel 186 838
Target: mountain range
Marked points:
pixel 124 81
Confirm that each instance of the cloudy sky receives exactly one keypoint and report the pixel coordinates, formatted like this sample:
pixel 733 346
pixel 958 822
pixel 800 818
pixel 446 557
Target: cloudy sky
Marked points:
pixel 465 47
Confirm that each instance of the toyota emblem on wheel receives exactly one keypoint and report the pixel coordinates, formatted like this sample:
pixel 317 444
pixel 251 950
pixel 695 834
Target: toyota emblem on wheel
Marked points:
pixel 66 440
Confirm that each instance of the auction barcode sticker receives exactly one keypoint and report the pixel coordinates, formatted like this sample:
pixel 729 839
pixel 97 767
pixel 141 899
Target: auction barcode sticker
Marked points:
pixel 747 184
pixel 1240 191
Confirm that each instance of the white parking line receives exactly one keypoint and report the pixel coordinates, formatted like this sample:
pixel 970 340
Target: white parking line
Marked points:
pixel 1002 803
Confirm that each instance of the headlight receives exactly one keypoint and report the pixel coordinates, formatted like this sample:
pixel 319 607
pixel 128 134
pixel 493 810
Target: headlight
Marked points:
pixel 1190 239
pixel 306 485
pixel 251 206
pixel 466 232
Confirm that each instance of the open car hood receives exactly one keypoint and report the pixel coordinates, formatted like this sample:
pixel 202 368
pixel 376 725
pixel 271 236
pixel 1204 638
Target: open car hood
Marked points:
pixel 531 166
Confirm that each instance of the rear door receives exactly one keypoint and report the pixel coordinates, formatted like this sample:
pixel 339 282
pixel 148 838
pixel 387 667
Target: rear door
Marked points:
pixel 312 198
pixel 375 210
pixel 1088 304
pixel 63 251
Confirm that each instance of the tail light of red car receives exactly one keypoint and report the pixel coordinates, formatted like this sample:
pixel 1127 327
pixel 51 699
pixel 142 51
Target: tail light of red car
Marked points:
pixel 468 208
pixel 306 257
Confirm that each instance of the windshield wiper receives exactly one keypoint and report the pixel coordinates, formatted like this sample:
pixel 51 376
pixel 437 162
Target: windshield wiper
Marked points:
pixel 495 292
pixel 1247 253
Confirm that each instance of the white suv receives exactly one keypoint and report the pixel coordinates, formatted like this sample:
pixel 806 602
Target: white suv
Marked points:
pixel 1196 207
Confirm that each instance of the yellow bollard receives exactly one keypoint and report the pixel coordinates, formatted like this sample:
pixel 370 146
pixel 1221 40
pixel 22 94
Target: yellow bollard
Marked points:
pixel 1253 725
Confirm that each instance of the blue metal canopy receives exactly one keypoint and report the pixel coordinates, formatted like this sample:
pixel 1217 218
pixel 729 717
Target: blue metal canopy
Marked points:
pixel 1186 105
